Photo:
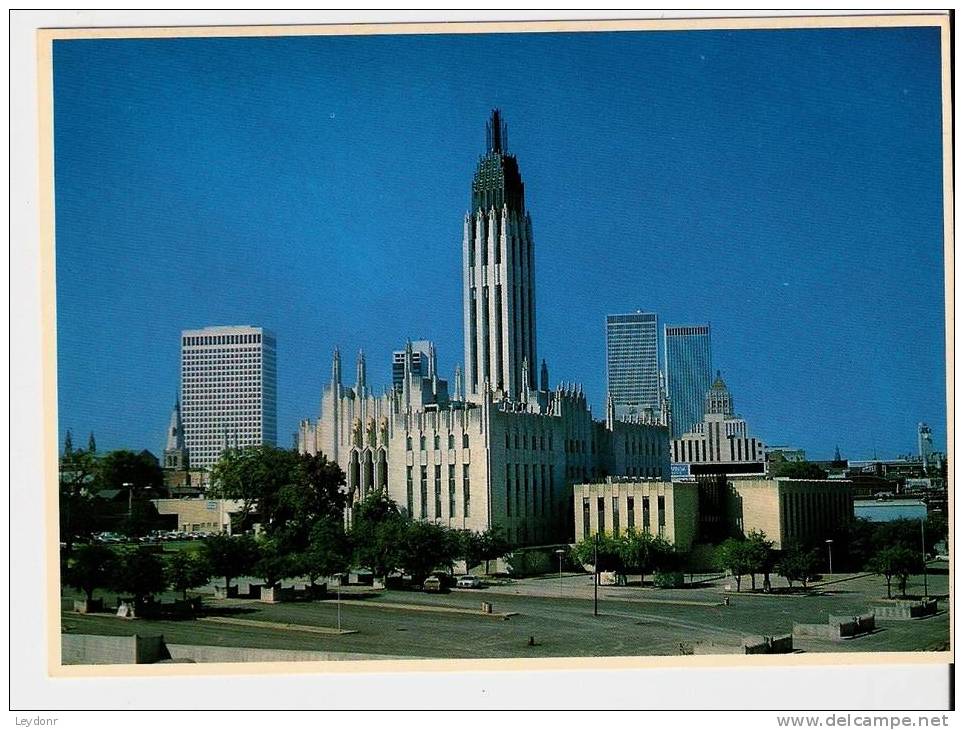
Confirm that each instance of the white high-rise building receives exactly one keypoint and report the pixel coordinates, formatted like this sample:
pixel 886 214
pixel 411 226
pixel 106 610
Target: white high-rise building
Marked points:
pixel 228 390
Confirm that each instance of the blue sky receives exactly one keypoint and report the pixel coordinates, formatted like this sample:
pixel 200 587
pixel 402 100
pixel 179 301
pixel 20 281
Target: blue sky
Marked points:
pixel 783 185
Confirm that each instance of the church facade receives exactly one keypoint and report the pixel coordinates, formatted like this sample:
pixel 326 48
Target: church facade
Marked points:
pixel 501 448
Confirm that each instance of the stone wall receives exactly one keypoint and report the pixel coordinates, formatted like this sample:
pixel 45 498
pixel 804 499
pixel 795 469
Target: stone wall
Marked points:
pixel 89 649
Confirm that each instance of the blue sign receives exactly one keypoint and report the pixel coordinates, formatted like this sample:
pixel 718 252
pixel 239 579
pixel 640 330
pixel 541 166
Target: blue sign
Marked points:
pixel 679 471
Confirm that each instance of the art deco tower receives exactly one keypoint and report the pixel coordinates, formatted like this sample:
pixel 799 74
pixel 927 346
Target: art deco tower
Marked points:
pixel 498 276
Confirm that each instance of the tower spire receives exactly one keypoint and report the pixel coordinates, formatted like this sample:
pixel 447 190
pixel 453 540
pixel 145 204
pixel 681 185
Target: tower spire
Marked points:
pixel 496 133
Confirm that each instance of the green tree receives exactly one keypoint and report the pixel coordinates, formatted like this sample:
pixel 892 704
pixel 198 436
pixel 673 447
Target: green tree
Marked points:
pixel 139 573
pixel 315 494
pixel 425 547
pixel 230 556
pixel 897 562
pixel 467 545
pixel 274 561
pixel 797 564
pixel 603 550
pixel 184 571
pixel 799 470
pixel 493 546
pixel 734 556
pixel 759 553
pixel 377 532
pixel 140 470
pixel 256 477
pixel 92 567
pixel 77 492
pixel 328 551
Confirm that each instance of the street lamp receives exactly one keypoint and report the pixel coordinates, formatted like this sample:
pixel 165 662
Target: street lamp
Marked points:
pixel 130 498
pixel 595 575
pixel 829 556
pixel 923 554
pixel 560 552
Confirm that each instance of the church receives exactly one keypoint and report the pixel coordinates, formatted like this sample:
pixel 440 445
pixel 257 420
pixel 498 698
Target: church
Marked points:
pixel 500 449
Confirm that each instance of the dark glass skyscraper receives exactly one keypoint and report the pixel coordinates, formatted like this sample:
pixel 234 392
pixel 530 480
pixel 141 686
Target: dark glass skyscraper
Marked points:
pixel 632 361
pixel 689 373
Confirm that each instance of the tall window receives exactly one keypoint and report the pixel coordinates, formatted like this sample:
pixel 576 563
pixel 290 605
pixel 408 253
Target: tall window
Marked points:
pixel 466 494
pixel 451 490
pixel 585 517
pixel 615 516
pixel 601 513
pixel 645 514
pixel 408 443
pixel 421 442
pixel 630 515
pixel 436 444
pixel 465 441
pixel 423 493
pixel 409 491
pixel 508 490
pixel 451 440
pixel 661 513
pixel 438 491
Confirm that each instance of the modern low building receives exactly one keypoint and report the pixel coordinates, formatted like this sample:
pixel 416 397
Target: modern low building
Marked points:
pixel 198 514
pixel 788 511
pixel 662 508
pixel 801 511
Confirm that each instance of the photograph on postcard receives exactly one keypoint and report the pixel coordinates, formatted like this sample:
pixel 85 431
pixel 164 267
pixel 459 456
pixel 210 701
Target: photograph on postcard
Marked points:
pixel 455 344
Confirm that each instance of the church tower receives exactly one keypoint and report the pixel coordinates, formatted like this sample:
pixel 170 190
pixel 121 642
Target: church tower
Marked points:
pixel 175 453
pixel 498 276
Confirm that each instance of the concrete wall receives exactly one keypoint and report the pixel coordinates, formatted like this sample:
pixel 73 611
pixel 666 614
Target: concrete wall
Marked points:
pixel 208 654
pixel 90 649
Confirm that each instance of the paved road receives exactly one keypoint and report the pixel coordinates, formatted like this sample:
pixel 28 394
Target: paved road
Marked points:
pixel 632 621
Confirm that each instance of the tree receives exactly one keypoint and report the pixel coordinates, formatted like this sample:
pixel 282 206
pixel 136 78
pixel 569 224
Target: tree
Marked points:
pixel 230 556
pixel 759 557
pixel 637 554
pixel 255 476
pixel 91 444
pixel 93 567
pixel 78 488
pixel 185 570
pixel 377 532
pixel 139 470
pixel 274 562
pixel 467 545
pixel 315 494
pixel 799 470
pixel 139 573
pixel 425 546
pixel 797 564
pixel 897 562
pixel 602 550
pixel 734 556
pixel 492 546
pixel 328 550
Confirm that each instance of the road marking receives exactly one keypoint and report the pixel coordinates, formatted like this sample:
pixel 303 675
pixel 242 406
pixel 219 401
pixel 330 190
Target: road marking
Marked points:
pixel 275 625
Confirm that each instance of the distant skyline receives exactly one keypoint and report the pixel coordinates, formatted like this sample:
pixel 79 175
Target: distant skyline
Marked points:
pixel 784 186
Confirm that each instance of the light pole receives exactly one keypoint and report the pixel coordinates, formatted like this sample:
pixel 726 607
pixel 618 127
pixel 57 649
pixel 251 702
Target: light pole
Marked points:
pixel 923 554
pixel 829 556
pixel 595 576
pixel 560 552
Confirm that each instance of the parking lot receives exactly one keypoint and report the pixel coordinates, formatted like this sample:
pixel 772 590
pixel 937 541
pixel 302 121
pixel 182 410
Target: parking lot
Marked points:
pixel 556 613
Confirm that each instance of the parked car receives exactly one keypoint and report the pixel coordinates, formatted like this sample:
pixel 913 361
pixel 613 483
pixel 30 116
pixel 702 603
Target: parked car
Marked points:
pixel 469 581
pixel 433 584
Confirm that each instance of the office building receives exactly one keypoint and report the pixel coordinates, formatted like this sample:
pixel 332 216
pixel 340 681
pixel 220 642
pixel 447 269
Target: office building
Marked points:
pixel 720 443
pixel 632 360
pixel 688 373
pixel 421 353
pixel 228 390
